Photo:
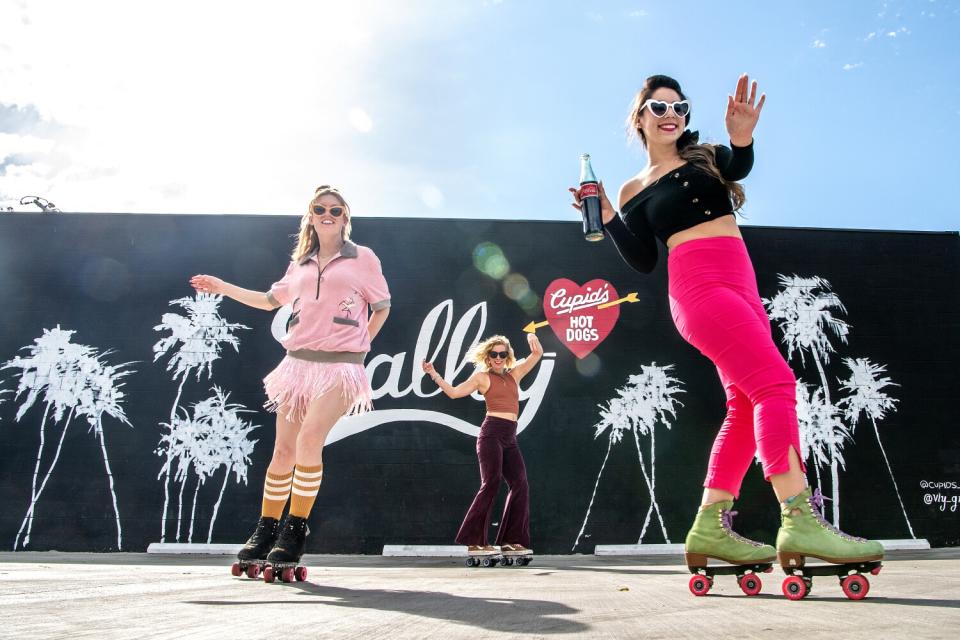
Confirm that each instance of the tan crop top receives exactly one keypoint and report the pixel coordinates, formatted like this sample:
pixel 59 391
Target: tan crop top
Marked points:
pixel 503 396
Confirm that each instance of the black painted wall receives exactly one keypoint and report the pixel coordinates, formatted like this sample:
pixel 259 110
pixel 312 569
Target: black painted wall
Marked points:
pixel 110 278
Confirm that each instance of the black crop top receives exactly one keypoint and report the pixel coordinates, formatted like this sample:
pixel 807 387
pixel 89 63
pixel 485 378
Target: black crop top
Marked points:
pixel 679 200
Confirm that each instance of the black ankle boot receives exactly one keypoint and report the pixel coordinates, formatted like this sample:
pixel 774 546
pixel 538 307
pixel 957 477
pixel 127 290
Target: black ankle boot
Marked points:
pixel 291 542
pixel 262 541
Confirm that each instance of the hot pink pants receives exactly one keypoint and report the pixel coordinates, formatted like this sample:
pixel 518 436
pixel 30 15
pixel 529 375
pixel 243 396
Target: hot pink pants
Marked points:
pixel 716 307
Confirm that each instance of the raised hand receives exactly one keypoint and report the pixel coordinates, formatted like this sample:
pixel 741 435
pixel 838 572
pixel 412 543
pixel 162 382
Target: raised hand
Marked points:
pixel 207 284
pixel 428 368
pixel 606 209
pixel 743 111
pixel 534 343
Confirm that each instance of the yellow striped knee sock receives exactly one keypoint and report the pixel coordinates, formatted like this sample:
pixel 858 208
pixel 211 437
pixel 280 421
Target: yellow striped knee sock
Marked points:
pixel 306 485
pixel 276 490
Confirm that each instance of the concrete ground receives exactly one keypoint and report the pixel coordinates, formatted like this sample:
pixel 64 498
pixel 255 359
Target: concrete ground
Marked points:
pixel 69 595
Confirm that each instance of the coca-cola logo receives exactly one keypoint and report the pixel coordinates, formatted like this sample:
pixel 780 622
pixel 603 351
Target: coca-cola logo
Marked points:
pixel 581 316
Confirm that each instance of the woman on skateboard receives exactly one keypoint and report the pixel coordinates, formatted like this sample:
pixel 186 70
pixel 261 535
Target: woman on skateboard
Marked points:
pixel 687 196
pixel 330 284
pixel 497 378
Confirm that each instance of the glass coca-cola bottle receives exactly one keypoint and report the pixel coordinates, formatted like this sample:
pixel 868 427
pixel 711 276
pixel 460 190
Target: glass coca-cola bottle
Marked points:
pixel 590 201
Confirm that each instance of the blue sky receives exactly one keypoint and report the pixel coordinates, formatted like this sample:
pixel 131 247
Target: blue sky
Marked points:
pixel 471 109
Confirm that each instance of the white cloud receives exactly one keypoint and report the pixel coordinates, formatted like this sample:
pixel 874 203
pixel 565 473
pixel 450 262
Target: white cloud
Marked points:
pixel 190 108
pixel 638 13
pixel 850 67
pixel 819 44
pixel 432 196
pixel 360 120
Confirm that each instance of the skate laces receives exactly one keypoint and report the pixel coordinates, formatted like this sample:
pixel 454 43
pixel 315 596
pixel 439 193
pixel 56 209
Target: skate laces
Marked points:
pixel 264 531
pixel 816 507
pixel 726 519
pixel 291 530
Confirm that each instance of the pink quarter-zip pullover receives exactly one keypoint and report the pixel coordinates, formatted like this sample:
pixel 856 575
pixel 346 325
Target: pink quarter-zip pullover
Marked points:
pixel 330 304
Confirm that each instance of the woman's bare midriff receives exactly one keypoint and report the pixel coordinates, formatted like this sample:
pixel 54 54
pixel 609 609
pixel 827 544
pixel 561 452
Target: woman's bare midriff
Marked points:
pixel 719 228
pixel 504 416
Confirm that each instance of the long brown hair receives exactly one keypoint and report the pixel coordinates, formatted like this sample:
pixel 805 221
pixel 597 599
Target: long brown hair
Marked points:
pixel 701 156
pixel 307 239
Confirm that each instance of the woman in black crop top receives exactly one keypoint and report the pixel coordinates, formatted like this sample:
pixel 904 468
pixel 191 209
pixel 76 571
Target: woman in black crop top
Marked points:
pixel 686 197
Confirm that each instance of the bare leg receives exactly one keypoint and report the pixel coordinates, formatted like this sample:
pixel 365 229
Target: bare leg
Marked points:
pixel 284 446
pixel 786 485
pixel 322 415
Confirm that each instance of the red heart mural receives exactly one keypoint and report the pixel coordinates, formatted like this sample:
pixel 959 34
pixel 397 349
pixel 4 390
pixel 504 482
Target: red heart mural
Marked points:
pixel 572 312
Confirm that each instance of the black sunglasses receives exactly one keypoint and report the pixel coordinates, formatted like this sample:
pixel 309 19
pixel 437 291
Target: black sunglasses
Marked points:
pixel 499 355
pixel 336 212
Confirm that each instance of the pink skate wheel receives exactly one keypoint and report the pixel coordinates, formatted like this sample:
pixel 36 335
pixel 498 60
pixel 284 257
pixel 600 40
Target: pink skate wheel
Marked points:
pixel 287 574
pixel 268 574
pixel 700 585
pixel 253 571
pixel 855 586
pixel 300 573
pixel 768 570
pixel 750 584
pixel 794 588
pixel 235 570
pixel 876 570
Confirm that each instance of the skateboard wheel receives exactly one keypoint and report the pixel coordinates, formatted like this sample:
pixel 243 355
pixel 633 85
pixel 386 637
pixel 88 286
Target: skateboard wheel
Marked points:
pixel 235 570
pixel 795 588
pixel 750 584
pixel 700 585
pixel 253 571
pixel 268 574
pixel 300 573
pixel 287 574
pixel 855 586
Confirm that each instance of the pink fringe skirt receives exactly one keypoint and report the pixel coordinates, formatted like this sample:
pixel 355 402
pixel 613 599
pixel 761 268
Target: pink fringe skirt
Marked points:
pixel 295 383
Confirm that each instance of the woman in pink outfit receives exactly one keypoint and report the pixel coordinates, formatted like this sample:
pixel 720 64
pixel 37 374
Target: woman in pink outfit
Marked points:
pixel 339 301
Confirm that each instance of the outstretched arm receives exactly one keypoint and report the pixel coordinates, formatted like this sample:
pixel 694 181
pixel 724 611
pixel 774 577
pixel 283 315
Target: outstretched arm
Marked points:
pixel 473 383
pixel 213 284
pixel 524 367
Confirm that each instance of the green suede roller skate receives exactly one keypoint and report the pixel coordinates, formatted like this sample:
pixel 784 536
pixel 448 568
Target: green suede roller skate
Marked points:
pixel 712 536
pixel 804 532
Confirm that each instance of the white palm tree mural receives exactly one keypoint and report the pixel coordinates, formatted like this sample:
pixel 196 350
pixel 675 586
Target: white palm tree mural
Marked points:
pixel 866 397
pixel 804 311
pixel 646 400
pixel 822 432
pixel 214 436
pixel 71 377
pixel 195 341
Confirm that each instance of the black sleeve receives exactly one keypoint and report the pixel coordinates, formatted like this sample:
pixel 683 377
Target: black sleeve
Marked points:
pixel 638 251
pixel 734 162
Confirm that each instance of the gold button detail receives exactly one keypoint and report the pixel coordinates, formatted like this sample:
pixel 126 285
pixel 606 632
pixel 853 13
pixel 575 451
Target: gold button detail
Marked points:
pixel 707 212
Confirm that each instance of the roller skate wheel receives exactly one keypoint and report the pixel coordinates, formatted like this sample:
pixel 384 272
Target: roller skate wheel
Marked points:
pixel 855 586
pixel 700 585
pixel 253 571
pixel 876 570
pixel 300 573
pixel 768 570
pixel 235 570
pixel 489 562
pixel 268 574
pixel 795 588
pixel 471 562
pixel 287 574
pixel 507 562
pixel 750 584
pixel 525 561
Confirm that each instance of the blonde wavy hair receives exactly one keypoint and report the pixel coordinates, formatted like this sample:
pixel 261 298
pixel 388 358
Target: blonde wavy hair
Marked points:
pixel 307 239
pixel 701 156
pixel 481 351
